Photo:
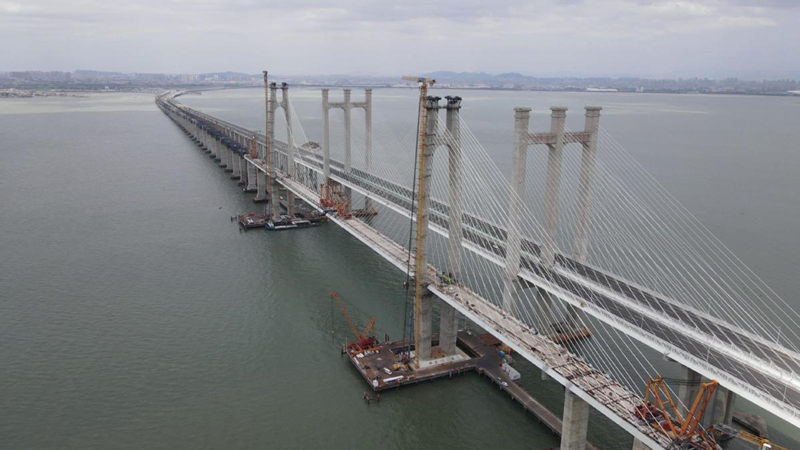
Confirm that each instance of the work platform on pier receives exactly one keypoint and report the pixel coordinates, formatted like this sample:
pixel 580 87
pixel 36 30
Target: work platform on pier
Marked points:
pixel 385 367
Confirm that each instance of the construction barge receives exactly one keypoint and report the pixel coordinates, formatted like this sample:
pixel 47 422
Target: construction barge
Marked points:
pixel 249 221
pixel 388 365
pixel 285 222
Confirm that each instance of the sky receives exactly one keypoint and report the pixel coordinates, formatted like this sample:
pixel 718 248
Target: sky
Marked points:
pixel 750 39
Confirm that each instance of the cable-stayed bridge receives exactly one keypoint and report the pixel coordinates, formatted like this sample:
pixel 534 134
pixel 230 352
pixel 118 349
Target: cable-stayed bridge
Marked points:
pixel 637 275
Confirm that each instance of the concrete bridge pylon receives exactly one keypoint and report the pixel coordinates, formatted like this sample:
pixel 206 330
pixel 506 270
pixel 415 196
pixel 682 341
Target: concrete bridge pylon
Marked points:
pixel 346 105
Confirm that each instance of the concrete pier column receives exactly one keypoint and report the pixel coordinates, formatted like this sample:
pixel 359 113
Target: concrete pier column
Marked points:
pixel 290 201
pixel 226 157
pixel 236 163
pixel 291 166
pixel 368 139
pixel 213 147
pixel 368 129
pixel 347 129
pixel 448 323
pixel 206 138
pixel 348 161
pixel 554 158
pixel 261 187
pixel 223 153
pixel 270 155
pixel 639 445
pixel 242 171
pixel 208 143
pixel 688 391
pixel 724 401
pixel 422 301
pixel 727 419
pixel 514 237
pixel 326 139
pixel 217 153
pixel 581 242
pixel 274 198
pixel 251 185
pixel 575 422
pixel 230 160
pixel 203 138
pixel 287 113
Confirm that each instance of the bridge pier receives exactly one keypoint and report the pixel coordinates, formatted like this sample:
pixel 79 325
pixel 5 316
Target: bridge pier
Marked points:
pixel 261 187
pixel 217 154
pixel 423 332
pixel 519 159
pixel 639 445
pixel 346 106
pixel 368 139
pixel 274 197
pixel 271 105
pixel 448 320
pixel 251 185
pixel 291 166
pixel 581 240
pixel 348 162
pixel 326 139
pixel 724 401
pixel 688 391
pixel 213 148
pixel 558 116
pixel 228 159
pixel 223 156
pixel 575 423
pixel 203 138
pixel 237 166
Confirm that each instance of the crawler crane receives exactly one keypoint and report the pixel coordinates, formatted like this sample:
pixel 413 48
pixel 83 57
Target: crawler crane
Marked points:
pixel 659 411
pixel 363 339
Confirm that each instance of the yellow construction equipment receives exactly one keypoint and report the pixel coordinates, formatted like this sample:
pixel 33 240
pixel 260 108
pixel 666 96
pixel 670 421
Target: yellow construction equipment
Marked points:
pixel 419 265
pixel 660 412
pixel 762 443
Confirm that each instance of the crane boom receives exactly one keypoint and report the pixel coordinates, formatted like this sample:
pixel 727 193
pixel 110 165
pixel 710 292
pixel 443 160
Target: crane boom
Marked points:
pixel 369 328
pixel 363 340
pixel 347 318
pixel 660 412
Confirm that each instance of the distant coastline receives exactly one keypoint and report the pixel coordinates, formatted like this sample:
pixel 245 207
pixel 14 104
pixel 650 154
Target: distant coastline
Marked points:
pixel 46 84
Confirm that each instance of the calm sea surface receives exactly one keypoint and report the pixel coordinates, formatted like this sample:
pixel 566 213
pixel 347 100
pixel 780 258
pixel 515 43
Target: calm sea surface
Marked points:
pixel 133 314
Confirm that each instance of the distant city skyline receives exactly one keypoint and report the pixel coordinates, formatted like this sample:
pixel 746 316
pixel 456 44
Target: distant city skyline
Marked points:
pixel 747 39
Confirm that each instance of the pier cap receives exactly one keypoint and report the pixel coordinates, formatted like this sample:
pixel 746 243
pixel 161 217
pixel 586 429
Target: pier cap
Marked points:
pixel 453 101
pixel 432 101
pixel 522 111
pixel 593 110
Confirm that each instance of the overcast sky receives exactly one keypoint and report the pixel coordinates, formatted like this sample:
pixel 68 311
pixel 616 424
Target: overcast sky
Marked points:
pixel 657 38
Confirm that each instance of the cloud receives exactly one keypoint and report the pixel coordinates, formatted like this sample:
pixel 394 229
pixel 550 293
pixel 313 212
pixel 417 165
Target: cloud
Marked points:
pixel 334 36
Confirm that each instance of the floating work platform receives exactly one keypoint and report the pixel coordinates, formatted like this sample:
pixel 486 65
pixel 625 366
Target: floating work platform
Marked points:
pixel 385 366
pixel 285 222
pixel 300 220
pixel 248 221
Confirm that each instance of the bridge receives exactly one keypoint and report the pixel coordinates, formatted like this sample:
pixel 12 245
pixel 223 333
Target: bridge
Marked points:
pixel 688 299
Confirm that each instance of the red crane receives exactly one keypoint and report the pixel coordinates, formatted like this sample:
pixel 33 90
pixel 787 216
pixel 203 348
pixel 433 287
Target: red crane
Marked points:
pixel 363 339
